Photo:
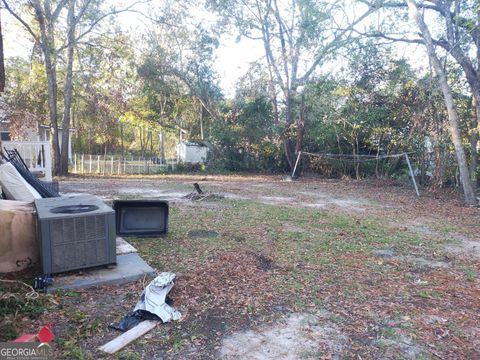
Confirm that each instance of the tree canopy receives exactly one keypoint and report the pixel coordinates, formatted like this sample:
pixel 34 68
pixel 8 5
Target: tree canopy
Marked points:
pixel 334 77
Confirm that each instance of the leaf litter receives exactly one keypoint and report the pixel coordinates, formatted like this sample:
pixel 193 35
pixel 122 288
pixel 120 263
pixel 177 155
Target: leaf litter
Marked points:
pixel 365 306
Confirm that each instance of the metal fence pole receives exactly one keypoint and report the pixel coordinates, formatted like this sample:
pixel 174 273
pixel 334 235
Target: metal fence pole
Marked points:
pixel 90 165
pixel 411 174
pixel 296 163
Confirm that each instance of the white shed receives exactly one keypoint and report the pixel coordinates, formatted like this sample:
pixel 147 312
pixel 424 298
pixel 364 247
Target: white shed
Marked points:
pixel 192 152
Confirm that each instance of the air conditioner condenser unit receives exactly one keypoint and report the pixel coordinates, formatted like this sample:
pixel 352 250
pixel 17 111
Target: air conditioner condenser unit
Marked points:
pixel 75 232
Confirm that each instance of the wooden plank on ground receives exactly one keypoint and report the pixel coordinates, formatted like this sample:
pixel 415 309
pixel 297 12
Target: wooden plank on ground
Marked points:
pixel 127 337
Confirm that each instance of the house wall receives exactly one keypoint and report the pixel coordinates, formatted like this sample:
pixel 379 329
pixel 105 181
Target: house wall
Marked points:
pixel 24 133
pixel 23 126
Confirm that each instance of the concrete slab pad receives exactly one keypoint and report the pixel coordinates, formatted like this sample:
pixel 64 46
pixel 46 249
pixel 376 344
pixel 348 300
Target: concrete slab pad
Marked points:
pixel 130 267
pixel 123 247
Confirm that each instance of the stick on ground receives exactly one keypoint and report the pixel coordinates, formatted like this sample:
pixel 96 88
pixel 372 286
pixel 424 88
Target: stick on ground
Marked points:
pixel 197 188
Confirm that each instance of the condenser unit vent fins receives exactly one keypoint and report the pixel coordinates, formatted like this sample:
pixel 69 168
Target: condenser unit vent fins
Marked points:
pixel 73 239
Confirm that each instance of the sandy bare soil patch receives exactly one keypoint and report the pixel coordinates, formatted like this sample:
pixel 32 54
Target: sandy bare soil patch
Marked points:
pixel 299 336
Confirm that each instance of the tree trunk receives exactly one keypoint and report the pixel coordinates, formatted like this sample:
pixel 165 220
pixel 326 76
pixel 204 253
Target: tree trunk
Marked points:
pixel 2 72
pixel 47 45
pixel 67 91
pixel 143 140
pixel 2 62
pixel 474 141
pixel 162 146
pixel 121 142
pixel 356 163
pixel 150 137
pixel 452 112
pixel 202 137
pixel 300 130
pixel 289 148
pixel 52 107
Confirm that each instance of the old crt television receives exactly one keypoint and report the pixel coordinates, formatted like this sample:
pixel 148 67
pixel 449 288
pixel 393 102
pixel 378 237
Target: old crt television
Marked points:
pixel 141 217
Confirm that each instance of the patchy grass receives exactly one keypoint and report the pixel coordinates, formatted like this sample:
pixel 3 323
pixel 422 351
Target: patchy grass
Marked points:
pixel 19 304
pixel 243 264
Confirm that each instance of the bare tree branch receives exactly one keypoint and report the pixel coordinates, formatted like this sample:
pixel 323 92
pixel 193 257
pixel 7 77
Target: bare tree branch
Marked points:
pixel 114 12
pixel 83 9
pixel 58 9
pixel 335 43
pixel 23 22
pixel 381 35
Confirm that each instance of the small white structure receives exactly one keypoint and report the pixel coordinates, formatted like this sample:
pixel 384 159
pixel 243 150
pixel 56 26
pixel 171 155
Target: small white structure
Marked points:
pixel 192 152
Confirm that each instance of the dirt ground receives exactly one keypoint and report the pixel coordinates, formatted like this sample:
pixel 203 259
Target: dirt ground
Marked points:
pixel 274 269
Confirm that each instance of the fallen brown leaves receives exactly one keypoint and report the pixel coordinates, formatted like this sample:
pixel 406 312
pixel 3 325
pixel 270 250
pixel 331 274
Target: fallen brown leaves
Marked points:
pixel 234 279
pixel 424 310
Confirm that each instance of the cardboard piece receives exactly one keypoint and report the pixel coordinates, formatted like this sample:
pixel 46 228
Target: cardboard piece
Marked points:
pixel 18 236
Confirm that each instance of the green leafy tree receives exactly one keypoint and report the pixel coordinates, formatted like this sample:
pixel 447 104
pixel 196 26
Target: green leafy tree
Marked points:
pixel 298 36
pixel 58 27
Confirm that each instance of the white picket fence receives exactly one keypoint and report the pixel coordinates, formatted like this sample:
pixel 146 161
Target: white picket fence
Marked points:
pixel 36 154
pixel 116 165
